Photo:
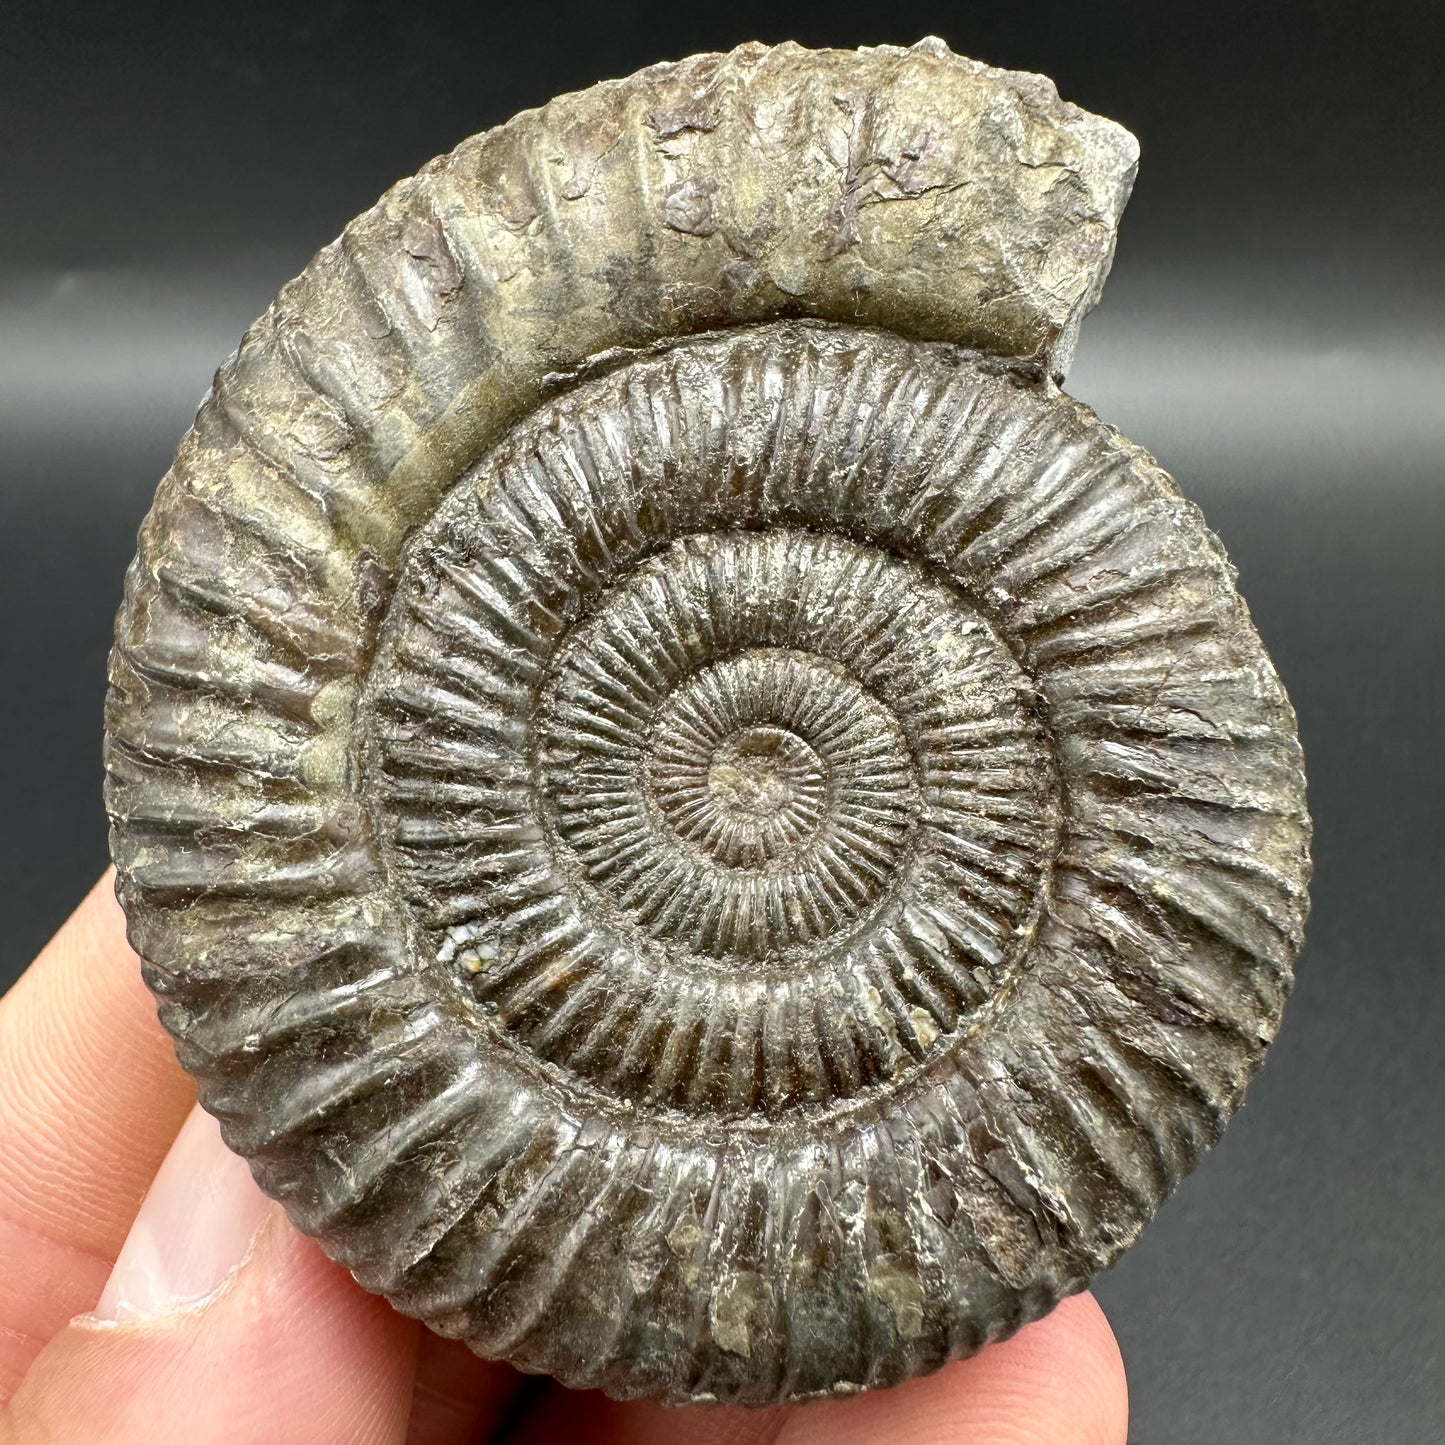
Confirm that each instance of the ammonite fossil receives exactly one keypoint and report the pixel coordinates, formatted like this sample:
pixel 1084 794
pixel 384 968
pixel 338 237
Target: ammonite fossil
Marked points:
pixel 703 826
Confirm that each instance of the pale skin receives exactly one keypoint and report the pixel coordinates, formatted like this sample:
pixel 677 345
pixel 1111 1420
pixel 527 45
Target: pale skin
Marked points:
pixel 222 1324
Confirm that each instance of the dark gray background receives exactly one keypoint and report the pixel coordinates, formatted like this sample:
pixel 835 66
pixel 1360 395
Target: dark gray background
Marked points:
pixel 1273 332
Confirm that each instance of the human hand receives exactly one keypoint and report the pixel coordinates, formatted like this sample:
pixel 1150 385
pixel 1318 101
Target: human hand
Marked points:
pixel 205 1318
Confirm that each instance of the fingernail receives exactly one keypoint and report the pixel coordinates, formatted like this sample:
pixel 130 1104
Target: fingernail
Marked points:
pixel 195 1227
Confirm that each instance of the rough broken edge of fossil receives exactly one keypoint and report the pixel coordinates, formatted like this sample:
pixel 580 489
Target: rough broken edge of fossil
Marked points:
pixel 910 191
pixel 913 190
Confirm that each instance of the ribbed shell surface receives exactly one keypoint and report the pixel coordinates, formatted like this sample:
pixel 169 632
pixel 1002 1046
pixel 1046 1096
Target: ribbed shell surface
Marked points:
pixel 700 824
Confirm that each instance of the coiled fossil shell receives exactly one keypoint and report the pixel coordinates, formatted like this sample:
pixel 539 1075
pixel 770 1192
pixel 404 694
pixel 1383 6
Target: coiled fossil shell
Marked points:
pixel 699 823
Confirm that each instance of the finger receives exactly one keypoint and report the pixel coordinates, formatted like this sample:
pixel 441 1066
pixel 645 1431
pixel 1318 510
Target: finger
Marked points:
pixel 90 1098
pixel 1059 1381
pixel 586 1415
pixel 459 1399
pixel 220 1324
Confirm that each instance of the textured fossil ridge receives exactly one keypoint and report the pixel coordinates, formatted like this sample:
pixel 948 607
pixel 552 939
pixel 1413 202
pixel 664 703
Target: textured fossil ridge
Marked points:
pixel 702 826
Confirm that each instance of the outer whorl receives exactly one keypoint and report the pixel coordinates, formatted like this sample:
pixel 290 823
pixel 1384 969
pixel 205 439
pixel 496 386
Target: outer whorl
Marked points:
pixel 701 825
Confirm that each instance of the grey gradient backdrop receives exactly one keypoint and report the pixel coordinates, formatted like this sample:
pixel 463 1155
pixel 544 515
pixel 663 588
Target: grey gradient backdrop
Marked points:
pixel 1274 332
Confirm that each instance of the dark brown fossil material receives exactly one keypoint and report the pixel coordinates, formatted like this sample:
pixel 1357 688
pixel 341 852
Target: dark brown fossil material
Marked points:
pixel 703 826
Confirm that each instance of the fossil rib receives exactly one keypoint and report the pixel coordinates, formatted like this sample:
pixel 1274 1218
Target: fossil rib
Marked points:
pixel 701 825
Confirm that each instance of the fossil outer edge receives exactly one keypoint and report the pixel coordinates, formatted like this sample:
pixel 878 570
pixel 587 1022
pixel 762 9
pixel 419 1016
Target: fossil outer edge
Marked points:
pixel 701 825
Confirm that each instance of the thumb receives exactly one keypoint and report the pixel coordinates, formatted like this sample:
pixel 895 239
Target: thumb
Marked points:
pixel 219 1324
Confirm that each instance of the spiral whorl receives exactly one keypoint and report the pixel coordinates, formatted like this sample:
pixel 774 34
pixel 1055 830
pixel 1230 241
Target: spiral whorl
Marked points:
pixel 735 818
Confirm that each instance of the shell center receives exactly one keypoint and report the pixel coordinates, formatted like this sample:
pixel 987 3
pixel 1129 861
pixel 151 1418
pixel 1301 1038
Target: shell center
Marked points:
pixel 759 774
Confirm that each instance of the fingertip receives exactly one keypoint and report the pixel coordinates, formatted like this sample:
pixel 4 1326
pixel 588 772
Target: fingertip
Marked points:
pixel 1074 1346
pixel 99 913
pixel 1058 1381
